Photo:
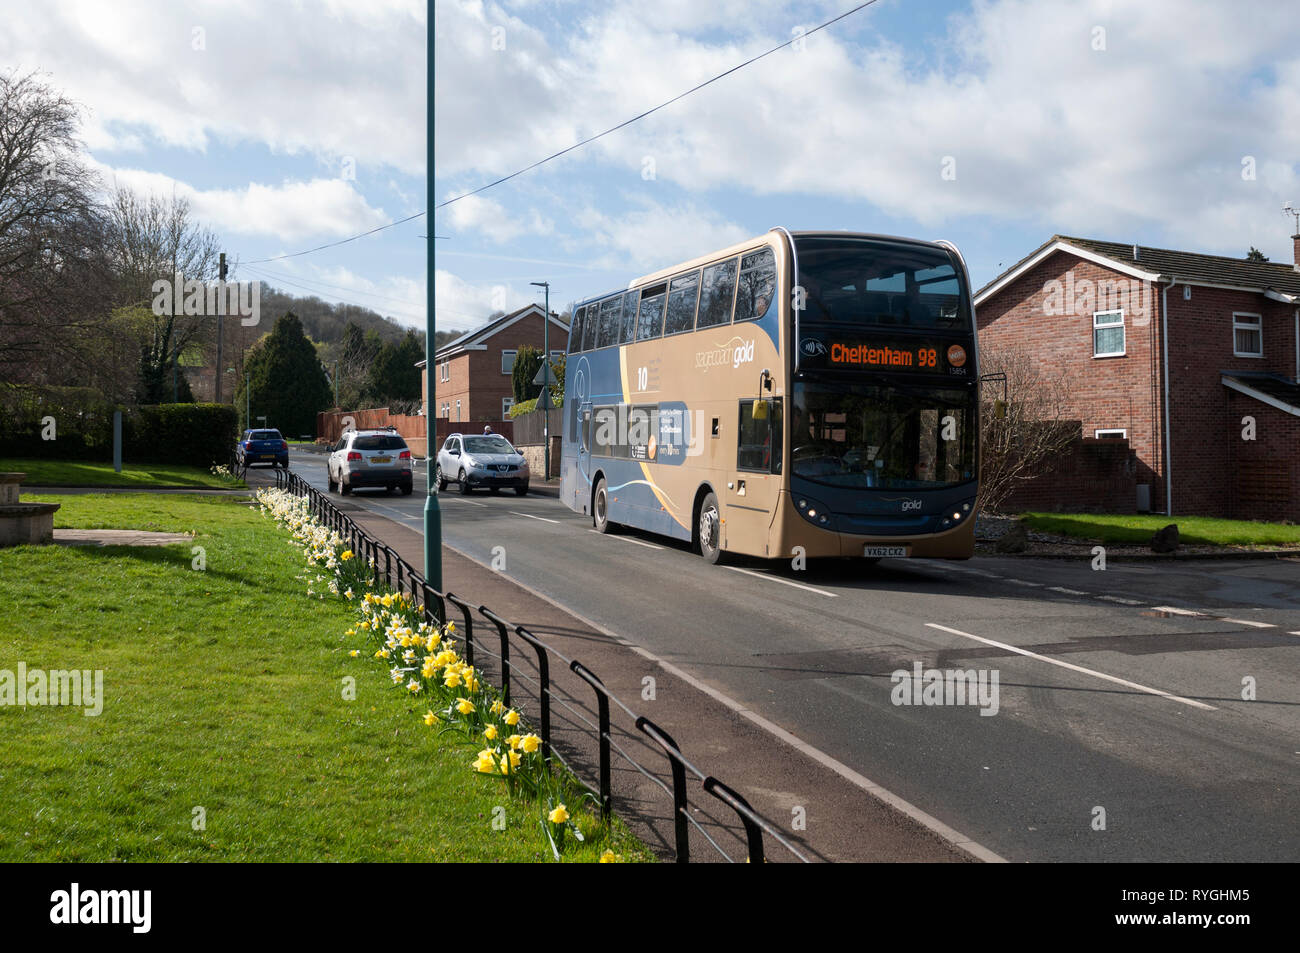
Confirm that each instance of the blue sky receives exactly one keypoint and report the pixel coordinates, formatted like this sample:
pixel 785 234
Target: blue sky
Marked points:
pixel 288 125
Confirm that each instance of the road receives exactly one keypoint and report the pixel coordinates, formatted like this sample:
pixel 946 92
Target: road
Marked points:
pixel 1126 728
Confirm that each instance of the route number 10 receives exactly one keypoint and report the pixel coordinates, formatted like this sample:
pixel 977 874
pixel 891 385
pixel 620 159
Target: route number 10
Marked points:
pixel 642 378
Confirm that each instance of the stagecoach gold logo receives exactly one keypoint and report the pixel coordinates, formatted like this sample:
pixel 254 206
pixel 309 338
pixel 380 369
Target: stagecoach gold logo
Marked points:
pixel 956 355
pixel 735 352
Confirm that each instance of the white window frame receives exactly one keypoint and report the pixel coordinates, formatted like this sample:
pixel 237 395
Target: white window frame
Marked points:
pixel 506 404
pixel 1257 326
pixel 1110 432
pixel 513 356
pixel 458 410
pixel 1109 324
pixel 446 370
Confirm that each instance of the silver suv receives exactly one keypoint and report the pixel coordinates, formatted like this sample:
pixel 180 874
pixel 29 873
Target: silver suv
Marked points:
pixel 472 461
pixel 370 458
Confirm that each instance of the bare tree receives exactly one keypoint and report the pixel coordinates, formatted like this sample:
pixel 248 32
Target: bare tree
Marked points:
pixel 1024 427
pixel 53 270
pixel 153 238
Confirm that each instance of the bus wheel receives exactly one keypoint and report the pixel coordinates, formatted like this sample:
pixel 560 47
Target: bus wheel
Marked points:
pixel 600 508
pixel 710 530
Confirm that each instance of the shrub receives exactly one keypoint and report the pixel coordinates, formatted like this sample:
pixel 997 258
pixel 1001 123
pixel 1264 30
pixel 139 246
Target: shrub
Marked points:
pixel 199 435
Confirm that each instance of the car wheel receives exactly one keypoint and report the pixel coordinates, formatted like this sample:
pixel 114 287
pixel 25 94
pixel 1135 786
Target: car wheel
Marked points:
pixel 344 488
pixel 463 481
pixel 330 485
pixel 600 508
pixel 709 530
pixel 407 489
pixel 441 480
pixel 521 490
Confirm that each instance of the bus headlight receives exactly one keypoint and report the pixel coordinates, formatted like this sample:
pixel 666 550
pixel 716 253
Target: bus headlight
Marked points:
pixel 813 511
pixel 957 514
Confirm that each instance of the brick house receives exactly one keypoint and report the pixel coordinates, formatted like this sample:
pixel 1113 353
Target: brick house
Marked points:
pixel 1184 374
pixel 473 381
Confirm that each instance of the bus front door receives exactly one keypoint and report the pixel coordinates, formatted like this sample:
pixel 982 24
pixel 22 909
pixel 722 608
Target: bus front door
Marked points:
pixel 584 441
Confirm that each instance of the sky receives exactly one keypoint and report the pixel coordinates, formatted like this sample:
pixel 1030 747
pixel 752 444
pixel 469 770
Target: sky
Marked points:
pixel 291 124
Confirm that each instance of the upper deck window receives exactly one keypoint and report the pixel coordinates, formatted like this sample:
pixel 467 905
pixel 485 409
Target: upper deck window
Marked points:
pixel 862 281
pixel 757 284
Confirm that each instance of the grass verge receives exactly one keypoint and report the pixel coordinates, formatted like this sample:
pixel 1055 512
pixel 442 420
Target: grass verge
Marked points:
pixel 94 473
pixel 1136 528
pixel 223 700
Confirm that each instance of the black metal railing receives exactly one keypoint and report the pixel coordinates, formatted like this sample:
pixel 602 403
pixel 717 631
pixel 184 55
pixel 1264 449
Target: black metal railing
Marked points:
pixel 394 571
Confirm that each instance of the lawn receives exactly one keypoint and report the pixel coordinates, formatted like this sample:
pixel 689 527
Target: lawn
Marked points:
pixel 94 473
pixel 223 694
pixel 1193 530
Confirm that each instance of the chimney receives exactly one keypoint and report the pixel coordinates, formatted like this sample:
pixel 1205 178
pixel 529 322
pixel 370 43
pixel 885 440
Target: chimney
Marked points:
pixel 1135 252
pixel 1295 252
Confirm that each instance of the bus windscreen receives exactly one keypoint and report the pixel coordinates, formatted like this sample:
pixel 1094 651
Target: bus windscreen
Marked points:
pixel 875 283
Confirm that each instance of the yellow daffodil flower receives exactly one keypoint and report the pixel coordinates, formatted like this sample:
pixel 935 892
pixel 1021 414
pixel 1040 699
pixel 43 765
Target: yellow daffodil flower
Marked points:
pixel 530 743
pixel 465 706
pixel 490 733
pixel 559 815
pixel 512 718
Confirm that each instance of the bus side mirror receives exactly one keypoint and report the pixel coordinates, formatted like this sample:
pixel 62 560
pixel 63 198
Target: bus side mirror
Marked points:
pixel 759 410
pixel 1000 409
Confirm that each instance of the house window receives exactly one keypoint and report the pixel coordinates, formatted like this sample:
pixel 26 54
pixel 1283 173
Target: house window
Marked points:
pixel 1247 335
pixel 1108 334
pixel 507 361
pixel 1116 434
pixel 506 404
pixel 446 370
pixel 457 410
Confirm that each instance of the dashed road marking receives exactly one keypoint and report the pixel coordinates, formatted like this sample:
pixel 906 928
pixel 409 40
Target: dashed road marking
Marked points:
pixel 626 539
pixel 531 517
pixel 1069 592
pixel 1174 610
pixel 1249 622
pixel 1120 600
pixel 770 578
pixel 1074 668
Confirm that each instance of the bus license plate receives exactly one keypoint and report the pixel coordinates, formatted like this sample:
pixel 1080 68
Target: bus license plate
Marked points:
pixel 876 552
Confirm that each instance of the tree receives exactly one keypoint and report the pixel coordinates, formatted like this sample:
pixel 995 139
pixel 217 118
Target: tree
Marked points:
pixel 393 375
pixel 53 268
pixel 154 238
pixel 528 361
pixel 1255 255
pixel 356 353
pixel 289 385
pixel 1021 440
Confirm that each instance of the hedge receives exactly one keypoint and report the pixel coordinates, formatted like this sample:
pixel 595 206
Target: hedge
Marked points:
pixel 196 434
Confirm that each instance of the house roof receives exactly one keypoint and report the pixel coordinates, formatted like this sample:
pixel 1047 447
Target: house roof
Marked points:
pixel 473 340
pixel 1271 389
pixel 1160 265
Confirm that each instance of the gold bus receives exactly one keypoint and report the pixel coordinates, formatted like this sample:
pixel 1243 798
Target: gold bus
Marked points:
pixel 809 393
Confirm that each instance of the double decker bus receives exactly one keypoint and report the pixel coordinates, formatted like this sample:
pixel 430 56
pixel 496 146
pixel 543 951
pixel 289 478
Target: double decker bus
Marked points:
pixel 805 393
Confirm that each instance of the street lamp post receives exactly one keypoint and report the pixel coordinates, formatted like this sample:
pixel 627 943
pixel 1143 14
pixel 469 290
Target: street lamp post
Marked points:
pixel 546 379
pixel 432 514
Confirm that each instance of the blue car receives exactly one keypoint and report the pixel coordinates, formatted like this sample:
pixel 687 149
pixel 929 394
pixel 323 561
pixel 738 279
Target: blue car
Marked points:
pixel 262 447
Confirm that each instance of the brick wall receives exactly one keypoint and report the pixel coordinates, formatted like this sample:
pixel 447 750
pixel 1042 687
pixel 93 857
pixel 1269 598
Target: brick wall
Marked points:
pixel 1204 432
pixel 1265 474
pixel 1091 476
pixel 1106 393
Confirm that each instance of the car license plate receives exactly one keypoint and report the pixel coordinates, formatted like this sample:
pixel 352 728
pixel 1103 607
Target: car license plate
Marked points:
pixel 268 456
pixel 381 459
pixel 877 552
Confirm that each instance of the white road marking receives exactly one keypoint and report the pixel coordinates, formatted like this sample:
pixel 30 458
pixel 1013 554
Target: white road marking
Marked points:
pixel 1174 610
pixel 787 582
pixel 1121 600
pixel 626 539
pixel 1253 625
pixel 942 830
pixel 542 518
pixel 1074 668
pixel 1294 633
pixel 1024 582
pixel 1069 592
pixel 456 499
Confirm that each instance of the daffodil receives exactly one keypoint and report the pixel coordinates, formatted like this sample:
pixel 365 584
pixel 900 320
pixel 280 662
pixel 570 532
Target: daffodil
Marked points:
pixel 430 718
pixel 609 857
pixel 498 707
pixel 465 706
pixel 511 718
pixel 345 556
pixel 559 815
pixel 513 742
pixel 530 743
pixel 413 687
pixel 452 680
pixel 485 763
pixel 354 653
pixel 490 732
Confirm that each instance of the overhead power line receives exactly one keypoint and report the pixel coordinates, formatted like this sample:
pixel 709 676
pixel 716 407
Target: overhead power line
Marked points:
pixel 655 109
pixel 579 144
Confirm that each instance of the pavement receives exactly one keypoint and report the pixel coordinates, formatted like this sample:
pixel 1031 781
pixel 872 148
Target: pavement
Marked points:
pixel 1167 694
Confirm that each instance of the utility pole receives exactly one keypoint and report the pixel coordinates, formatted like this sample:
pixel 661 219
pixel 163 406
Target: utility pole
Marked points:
pixel 432 514
pixel 546 379
pixel 221 273
pixel 248 402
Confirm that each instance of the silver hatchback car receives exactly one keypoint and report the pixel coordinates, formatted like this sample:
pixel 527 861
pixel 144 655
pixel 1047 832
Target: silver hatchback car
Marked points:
pixel 489 460
pixel 370 458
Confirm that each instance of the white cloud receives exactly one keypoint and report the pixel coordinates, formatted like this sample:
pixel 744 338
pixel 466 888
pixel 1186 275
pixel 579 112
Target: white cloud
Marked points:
pixel 463 304
pixel 491 220
pixel 1047 121
pixel 651 236
pixel 290 211
pixel 326 78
